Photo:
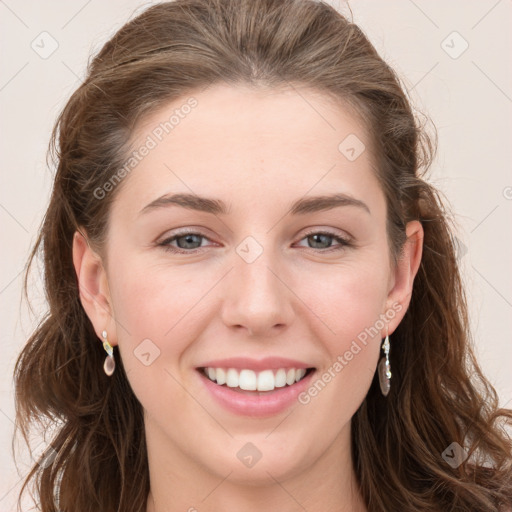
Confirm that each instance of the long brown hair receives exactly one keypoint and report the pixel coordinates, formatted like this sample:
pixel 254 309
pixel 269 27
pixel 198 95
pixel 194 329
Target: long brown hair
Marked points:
pixel 438 395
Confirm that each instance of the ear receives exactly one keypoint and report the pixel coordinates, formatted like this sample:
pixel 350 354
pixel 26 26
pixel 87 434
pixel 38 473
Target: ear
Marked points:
pixel 93 287
pixel 403 274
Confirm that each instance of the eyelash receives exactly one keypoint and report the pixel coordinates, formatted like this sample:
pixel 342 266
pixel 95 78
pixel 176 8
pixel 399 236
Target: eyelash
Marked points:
pixel 165 244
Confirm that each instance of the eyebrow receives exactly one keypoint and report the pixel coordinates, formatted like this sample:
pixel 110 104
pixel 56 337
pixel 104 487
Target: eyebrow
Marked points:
pixel 217 207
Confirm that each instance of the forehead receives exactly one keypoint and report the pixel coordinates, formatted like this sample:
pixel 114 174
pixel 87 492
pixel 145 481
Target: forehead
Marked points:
pixel 258 112
pixel 229 138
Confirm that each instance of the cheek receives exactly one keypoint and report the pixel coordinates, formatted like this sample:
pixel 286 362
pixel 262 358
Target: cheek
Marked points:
pixel 352 307
pixel 152 310
pixel 151 301
pixel 155 326
pixel 351 304
pixel 348 299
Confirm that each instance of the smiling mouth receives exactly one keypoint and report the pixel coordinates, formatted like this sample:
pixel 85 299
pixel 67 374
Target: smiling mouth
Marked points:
pixel 249 381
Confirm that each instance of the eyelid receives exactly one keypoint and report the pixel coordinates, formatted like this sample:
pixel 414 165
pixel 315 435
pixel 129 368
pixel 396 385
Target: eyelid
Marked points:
pixel 182 232
pixel 186 231
pixel 329 231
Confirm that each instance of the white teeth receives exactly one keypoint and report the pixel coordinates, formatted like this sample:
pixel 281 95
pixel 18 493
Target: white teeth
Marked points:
pixel 249 380
pixel 220 376
pixel 232 378
pixel 266 380
pixel 280 378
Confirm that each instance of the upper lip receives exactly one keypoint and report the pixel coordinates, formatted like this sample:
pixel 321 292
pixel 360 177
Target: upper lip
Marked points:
pixel 267 363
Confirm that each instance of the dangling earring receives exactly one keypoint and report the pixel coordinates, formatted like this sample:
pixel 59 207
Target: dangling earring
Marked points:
pixel 109 365
pixel 385 369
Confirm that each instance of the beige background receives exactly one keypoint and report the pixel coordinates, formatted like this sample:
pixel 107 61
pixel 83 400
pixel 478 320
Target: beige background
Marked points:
pixel 467 94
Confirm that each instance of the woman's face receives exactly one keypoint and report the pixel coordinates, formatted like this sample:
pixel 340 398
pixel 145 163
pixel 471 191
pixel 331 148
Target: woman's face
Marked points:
pixel 271 282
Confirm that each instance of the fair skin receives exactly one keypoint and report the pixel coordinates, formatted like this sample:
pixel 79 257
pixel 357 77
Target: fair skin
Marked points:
pixel 258 151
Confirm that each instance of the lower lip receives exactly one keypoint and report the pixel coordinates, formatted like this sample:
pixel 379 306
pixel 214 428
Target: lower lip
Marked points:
pixel 268 404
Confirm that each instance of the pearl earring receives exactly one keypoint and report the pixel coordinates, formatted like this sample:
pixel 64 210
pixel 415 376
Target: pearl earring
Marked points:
pixel 109 365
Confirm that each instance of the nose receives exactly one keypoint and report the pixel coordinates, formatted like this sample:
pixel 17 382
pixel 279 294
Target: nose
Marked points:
pixel 257 298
